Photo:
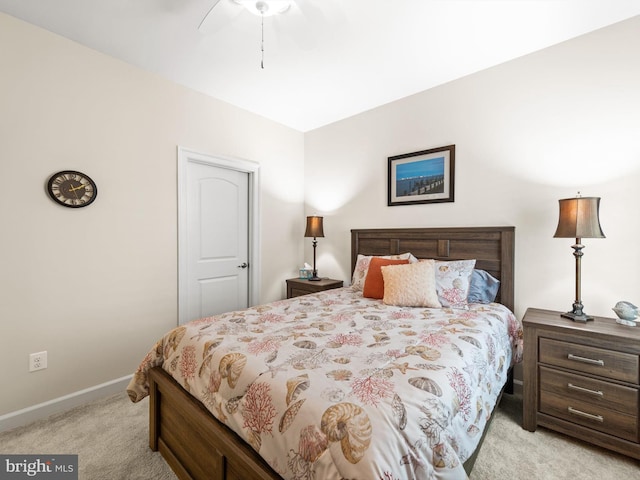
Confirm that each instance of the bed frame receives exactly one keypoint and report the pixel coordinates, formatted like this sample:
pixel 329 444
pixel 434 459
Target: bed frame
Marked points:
pixel 197 446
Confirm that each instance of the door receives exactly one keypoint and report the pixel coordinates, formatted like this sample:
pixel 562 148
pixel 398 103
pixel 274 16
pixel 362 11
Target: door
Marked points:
pixel 215 258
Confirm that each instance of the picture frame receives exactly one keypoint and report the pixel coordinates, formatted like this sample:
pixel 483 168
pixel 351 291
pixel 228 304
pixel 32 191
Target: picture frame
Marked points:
pixel 421 177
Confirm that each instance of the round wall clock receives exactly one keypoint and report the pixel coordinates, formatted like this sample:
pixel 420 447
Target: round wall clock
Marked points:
pixel 72 189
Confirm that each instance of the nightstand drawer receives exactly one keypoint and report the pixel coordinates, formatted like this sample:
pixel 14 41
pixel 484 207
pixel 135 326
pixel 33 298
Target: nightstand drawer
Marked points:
pixel 588 390
pixel 298 292
pixel 597 361
pixel 588 415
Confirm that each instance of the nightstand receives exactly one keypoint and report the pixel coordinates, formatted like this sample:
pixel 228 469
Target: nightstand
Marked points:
pixel 582 379
pixel 302 286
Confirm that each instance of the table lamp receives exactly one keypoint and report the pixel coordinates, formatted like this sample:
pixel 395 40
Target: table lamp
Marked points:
pixel 314 229
pixel 579 218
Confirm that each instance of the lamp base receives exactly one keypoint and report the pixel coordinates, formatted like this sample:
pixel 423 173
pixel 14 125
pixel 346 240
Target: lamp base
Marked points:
pixel 577 317
pixel 314 278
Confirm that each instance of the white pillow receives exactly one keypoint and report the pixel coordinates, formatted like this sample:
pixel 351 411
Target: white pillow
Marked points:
pixel 362 267
pixel 410 285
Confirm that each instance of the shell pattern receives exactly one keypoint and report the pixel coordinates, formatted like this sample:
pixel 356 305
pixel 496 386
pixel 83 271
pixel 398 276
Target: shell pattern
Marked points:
pixel 231 366
pixel 289 415
pixel 399 411
pixel 424 351
pixel 348 424
pixel 312 444
pixel 426 384
pixel 211 345
pixel 172 340
pixel 295 386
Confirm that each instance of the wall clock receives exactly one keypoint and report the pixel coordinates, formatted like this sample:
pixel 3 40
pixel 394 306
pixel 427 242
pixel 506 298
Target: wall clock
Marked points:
pixel 72 189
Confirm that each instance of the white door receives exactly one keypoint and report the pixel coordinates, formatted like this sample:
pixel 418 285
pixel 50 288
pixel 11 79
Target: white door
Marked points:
pixel 214 251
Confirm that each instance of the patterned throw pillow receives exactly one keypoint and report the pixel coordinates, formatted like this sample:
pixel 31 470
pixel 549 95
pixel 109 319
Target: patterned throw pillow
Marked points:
pixel 362 267
pixel 452 282
pixel 412 285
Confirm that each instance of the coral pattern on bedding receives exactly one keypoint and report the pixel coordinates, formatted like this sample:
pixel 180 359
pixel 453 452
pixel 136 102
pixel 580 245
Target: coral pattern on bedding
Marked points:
pixel 335 385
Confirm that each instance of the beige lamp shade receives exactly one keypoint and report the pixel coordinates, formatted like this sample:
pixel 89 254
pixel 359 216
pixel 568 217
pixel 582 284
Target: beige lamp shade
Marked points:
pixel 579 218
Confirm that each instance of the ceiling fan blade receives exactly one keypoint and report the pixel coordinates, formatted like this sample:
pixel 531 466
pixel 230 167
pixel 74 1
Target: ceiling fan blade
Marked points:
pixel 204 19
pixel 222 18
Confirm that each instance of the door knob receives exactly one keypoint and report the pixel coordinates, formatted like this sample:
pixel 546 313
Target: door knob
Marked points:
pixel 244 265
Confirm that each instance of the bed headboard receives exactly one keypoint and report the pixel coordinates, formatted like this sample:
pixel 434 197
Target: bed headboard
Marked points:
pixel 492 247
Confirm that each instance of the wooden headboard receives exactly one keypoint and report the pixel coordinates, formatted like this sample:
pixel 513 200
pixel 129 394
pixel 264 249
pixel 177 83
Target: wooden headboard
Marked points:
pixel 492 247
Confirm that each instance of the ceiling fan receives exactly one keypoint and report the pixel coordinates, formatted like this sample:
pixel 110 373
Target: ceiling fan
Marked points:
pixel 309 19
pixel 262 8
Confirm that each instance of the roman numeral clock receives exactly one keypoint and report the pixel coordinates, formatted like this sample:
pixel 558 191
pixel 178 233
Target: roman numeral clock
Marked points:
pixel 72 189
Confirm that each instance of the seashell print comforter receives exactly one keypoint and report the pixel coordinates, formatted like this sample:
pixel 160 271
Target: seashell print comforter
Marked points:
pixel 334 385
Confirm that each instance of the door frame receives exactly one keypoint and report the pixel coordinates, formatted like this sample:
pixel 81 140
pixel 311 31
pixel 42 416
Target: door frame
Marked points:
pixel 186 155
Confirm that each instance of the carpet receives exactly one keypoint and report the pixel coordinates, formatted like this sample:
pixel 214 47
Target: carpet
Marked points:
pixel 110 437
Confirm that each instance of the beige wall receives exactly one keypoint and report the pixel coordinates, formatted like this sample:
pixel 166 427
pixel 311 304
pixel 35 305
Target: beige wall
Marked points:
pixel 95 287
pixel 527 133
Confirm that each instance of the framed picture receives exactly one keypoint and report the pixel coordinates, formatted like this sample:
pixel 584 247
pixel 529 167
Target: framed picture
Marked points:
pixel 422 177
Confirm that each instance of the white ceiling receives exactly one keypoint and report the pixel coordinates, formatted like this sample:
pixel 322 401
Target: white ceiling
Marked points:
pixel 324 60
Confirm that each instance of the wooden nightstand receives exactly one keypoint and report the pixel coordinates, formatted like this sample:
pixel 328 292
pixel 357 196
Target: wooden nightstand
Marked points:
pixel 582 379
pixel 302 286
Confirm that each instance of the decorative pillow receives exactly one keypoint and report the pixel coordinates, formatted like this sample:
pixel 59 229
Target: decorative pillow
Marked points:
pixel 374 284
pixel 452 282
pixel 483 287
pixel 412 285
pixel 362 266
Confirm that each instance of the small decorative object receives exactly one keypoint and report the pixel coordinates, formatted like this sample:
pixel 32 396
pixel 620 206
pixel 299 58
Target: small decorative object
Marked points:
pixel 72 189
pixel 627 313
pixel 422 177
pixel 579 219
pixel 314 229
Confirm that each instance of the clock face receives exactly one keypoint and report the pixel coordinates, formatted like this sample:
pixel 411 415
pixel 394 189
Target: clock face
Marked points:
pixel 72 189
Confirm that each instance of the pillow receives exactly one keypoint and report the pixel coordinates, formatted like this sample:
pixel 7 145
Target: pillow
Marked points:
pixel 452 282
pixel 411 285
pixel 362 266
pixel 374 284
pixel 483 287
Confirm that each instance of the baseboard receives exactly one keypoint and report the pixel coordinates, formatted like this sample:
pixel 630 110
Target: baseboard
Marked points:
pixel 517 386
pixel 62 404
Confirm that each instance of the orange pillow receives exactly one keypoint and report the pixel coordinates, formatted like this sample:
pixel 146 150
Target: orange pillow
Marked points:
pixel 374 283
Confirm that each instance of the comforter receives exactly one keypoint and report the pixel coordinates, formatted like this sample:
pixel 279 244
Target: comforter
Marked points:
pixel 335 385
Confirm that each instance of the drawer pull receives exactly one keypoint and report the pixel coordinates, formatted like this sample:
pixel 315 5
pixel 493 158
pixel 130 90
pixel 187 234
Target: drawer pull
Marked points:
pixel 597 418
pixel 591 361
pixel 571 386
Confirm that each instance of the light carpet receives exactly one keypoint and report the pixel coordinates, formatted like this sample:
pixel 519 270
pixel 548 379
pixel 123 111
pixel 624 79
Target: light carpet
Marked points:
pixel 110 437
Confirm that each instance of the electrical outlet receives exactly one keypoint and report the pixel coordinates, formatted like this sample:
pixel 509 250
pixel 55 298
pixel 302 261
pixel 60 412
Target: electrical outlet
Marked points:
pixel 38 361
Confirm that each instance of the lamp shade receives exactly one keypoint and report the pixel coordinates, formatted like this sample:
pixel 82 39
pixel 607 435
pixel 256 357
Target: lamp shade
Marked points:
pixel 579 218
pixel 314 227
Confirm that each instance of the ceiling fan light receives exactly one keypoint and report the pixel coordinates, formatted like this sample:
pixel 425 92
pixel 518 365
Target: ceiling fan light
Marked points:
pixel 265 8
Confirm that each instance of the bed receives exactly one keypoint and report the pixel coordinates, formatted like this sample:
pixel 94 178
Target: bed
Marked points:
pixel 338 385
